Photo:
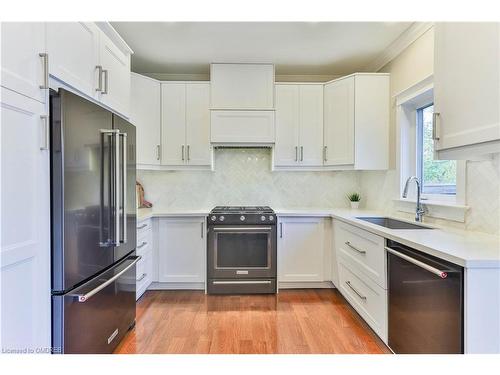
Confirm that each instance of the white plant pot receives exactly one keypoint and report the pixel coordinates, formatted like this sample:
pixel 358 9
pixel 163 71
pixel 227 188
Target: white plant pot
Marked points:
pixel 355 205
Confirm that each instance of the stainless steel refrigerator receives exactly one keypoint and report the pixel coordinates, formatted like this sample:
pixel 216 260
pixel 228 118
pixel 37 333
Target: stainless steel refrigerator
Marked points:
pixel 93 225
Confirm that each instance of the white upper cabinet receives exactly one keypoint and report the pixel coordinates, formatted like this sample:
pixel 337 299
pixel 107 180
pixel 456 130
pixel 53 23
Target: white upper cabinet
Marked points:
pixel 356 121
pixel 185 123
pixel 339 122
pixel 145 115
pixel 73 49
pixel 198 124
pixel 299 125
pixel 242 86
pixel 467 89
pixel 115 77
pixel 23 58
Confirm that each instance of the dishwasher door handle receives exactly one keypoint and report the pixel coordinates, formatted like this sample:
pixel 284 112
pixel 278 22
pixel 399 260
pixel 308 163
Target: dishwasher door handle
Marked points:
pixel 425 266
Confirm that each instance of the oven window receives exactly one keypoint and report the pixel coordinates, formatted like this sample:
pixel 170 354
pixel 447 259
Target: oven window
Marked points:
pixel 242 250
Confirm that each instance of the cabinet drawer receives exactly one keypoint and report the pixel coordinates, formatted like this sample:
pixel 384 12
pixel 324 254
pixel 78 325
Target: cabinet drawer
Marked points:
pixel 144 275
pixel 363 250
pixel 366 297
pixel 144 242
pixel 143 226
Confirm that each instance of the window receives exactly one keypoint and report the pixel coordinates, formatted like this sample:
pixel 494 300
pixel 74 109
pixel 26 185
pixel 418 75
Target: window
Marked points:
pixel 438 177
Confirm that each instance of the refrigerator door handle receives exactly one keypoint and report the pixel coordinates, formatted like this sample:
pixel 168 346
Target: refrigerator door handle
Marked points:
pixel 83 297
pixel 123 193
pixel 116 136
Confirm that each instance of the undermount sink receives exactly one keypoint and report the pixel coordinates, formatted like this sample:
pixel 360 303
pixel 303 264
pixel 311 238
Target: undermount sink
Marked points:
pixel 392 223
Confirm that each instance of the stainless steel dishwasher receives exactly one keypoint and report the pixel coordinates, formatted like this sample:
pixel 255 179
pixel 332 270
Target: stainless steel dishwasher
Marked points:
pixel 425 302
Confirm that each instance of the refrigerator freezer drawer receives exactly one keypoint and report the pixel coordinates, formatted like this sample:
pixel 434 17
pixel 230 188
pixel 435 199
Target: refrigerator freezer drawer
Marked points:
pixel 94 317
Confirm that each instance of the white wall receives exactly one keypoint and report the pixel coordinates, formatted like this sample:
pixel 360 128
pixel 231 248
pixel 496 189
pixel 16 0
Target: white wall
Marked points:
pixel 413 65
pixel 244 177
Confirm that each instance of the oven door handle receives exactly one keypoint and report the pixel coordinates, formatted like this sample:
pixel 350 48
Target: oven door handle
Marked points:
pixel 242 229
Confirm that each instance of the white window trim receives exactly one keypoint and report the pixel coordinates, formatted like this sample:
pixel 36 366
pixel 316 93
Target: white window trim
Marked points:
pixel 440 206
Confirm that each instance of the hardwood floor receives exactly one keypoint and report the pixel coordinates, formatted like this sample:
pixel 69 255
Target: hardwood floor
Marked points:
pixel 293 321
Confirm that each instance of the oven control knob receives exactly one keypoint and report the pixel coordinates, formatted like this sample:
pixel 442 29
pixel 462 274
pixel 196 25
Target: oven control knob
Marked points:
pixel 221 218
pixel 213 218
pixel 262 218
pixel 242 218
pixel 271 218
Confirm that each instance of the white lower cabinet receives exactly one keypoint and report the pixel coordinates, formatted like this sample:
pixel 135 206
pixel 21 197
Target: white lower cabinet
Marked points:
pixel 362 273
pixel 301 249
pixel 144 249
pixel 367 298
pixel 181 250
pixel 25 299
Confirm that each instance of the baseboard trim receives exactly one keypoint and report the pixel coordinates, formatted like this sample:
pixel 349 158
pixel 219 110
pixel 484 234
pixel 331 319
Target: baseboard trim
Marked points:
pixel 305 285
pixel 176 286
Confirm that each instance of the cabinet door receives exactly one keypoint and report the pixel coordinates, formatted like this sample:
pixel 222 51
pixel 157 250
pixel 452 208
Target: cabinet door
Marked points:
pixel 466 83
pixel 145 115
pixel 116 76
pixel 242 86
pixel 286 148
pixel 198 124
pixel 181 250
pixel 73 49
pixel 22 66
pixel 173 123
pixel 301 249
pixel 25 230
pixel 339 122
pixel 311 125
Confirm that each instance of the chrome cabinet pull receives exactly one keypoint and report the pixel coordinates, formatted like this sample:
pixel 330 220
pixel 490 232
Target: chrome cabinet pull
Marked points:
pixel 142 226
pixel 158 152
pixel 435 116
pixel 182 152
pixel 325 153
pixel 105 73
pixel 435 271
pixel 202 230
pixel 296 153
pixel 99 78
pixel 355 248
pixel 187 152
pixel 83 297
pixel 281 230
pixel 46 142
pixel 144 243
pixel 355 291
pixel 45 57
pixel 301 153
pixel 142 277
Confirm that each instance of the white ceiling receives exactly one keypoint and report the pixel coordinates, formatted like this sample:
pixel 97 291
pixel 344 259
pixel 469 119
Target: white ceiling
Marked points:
pixel 295 47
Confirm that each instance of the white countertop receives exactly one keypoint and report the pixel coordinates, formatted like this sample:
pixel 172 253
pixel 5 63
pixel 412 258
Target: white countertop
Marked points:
pixel 465 248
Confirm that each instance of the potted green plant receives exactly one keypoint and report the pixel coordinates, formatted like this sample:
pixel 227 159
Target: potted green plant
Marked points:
pixel 354 199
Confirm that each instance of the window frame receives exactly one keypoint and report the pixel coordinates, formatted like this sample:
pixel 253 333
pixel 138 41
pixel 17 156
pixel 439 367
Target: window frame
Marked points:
pixel 407 104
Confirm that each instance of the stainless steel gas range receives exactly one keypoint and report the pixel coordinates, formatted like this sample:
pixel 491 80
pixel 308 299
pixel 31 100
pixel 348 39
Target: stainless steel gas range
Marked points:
pixel 241 250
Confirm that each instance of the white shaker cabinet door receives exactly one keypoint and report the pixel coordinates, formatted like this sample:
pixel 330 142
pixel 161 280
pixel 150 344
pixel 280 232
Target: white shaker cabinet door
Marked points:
pixel 115 83
pixel 73 49
pixel 286 148
pixel 145 114
pixel 181 250
pixel 467 83
pixel 198 124
pixel 311 125
pixel 301 249
pixel 23 69
pixel 339 122
pixel 25 229
pixel 173 123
